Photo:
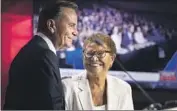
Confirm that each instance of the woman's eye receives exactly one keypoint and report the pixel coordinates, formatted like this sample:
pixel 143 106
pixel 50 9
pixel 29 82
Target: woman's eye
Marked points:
pixel 100 53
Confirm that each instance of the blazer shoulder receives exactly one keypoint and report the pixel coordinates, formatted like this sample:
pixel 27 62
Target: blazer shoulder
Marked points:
pixel 68 85
pixel 66 77
pixel 71 80
pixel 67 81
pixel 120 82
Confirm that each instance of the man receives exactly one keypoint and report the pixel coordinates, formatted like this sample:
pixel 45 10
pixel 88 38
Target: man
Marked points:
pixel 34 77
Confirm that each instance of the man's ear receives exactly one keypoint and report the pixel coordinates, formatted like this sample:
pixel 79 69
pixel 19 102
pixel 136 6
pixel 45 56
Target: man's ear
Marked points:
pixel 51 25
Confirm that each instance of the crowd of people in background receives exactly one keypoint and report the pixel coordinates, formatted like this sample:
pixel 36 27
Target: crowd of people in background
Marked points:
pixel 129 31
pixel 126 29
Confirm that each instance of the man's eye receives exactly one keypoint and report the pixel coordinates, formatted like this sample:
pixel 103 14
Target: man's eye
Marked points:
pixel 72 25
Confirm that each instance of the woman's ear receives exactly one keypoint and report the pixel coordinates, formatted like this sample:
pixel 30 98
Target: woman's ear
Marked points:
pixel 51 26
pixel 113 57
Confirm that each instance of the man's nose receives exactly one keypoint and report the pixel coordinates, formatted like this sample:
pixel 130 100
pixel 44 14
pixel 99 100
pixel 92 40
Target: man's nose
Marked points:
pixel 75 32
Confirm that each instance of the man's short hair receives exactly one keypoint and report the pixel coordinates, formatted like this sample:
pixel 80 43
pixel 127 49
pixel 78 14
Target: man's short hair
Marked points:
pixel 53 10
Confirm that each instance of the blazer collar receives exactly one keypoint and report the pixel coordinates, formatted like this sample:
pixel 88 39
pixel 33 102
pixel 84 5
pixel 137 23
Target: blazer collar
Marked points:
pixel 48 41
pixel 85 97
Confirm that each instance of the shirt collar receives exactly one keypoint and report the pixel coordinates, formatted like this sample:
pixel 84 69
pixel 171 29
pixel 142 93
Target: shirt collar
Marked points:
pixel 48 41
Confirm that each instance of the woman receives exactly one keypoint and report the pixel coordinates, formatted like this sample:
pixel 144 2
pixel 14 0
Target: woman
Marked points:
pixel 116 36
pixel 139 37
pixel 94 89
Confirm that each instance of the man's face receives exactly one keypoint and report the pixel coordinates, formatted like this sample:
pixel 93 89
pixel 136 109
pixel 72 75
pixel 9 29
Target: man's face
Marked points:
pixel 66 28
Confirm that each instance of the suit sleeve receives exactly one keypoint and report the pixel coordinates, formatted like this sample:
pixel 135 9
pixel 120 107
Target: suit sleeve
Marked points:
pixel 48 83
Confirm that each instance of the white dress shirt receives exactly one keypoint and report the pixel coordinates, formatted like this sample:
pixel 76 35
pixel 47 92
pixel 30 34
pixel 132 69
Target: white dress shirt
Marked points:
pixel 48 41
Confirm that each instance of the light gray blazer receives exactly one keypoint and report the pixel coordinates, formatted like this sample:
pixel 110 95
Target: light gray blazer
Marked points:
pixel 78 96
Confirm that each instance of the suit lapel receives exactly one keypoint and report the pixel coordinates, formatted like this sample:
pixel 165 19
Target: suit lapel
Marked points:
pixel 113 96
pixel 85 95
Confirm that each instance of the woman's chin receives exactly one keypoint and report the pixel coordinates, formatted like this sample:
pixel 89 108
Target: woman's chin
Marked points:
pixel 95 70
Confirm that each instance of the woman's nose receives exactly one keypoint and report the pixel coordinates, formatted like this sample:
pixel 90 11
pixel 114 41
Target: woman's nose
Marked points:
pixel 94 58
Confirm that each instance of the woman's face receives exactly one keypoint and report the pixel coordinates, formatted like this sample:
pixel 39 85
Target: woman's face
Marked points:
pixel 97 58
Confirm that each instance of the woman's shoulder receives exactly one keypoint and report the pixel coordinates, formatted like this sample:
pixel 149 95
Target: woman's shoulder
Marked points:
pixel 74 78
pixel 119 82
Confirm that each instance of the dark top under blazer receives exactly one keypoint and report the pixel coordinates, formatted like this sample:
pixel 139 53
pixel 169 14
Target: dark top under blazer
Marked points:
pixel 34 79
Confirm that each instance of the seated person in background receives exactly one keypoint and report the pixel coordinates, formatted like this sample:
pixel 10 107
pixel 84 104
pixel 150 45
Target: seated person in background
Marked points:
pixel 128 38
pixel 95 89
pixel 140 40
pixel 138 36
pixel 116 36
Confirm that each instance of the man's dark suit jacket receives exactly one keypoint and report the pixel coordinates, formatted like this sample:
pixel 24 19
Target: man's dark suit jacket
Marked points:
pixel 34 79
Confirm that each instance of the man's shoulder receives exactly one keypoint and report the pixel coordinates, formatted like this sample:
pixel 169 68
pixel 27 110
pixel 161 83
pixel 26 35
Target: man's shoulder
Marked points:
pixel 34 52
pixel 34 44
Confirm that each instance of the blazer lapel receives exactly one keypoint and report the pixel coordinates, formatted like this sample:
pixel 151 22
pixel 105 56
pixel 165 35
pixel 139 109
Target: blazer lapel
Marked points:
pixel 85 95
pixel 113 96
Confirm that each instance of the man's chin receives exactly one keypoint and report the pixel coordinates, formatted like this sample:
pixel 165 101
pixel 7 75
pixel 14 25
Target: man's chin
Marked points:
pixel 62 47
pixel 69 45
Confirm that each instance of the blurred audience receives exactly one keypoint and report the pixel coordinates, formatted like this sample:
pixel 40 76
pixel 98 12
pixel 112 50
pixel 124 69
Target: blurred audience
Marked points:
pixel 131 32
